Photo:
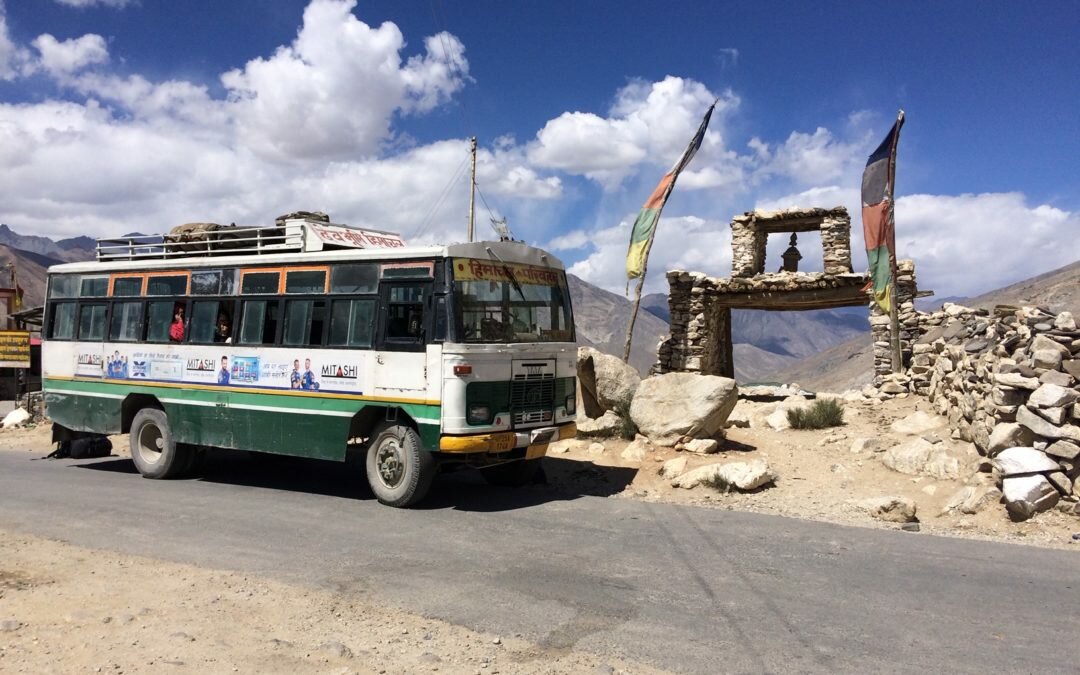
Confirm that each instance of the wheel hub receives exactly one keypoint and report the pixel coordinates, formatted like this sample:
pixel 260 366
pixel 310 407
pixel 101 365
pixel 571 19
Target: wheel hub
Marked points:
pixel 151 443
pixel 389 462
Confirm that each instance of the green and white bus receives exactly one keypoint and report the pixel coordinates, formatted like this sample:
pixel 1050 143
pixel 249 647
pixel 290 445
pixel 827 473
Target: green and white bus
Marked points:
pixel 315 340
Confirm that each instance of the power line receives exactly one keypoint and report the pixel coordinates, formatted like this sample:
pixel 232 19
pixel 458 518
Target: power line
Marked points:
pixel 429 218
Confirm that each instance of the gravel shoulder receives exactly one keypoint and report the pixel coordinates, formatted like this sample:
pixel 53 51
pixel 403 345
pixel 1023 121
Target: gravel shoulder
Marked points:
pixel 69 609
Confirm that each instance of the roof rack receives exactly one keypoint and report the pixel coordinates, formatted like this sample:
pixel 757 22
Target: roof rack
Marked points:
pixel 210 239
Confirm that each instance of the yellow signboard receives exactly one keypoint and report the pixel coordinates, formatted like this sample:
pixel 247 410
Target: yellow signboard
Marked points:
pixel 14 349
pixel 466 269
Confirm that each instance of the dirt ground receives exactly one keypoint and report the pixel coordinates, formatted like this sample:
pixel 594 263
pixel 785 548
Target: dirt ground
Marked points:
pixel 65 609
pixel 821 478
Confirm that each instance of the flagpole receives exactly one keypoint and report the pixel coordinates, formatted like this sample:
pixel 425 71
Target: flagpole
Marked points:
pixel 637 293
pixel 894 309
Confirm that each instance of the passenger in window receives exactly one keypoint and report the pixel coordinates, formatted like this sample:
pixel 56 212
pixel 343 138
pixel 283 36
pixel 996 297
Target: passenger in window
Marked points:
pixel 223 332
pixel 176 329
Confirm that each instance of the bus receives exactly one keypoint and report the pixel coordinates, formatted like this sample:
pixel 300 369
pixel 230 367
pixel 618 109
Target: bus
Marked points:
pixel 316 340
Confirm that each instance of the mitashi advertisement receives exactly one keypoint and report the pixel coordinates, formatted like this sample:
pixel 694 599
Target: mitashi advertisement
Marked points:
pixel 270 369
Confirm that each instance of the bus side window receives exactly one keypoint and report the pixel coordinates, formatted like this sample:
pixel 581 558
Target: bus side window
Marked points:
pixel 405 313
pixel 258 322
pixel 159 318
pixel 304 320
pixel 126 317
pixel 92 322
pixel 204 320
pixel 62 322
pixel 351 323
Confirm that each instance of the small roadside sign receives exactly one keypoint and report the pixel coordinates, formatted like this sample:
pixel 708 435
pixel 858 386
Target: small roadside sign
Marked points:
pixel 14 349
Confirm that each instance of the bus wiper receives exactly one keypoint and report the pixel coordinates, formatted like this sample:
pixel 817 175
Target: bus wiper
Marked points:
pixel 509 273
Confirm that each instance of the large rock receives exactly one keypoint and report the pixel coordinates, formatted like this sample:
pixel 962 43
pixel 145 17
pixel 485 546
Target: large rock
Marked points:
pixel 702 446
pixel 917 423
pixel 892 509
pixel 909 458
pixel 673 467
pixel 743 476
pixel 1043 428
pixel 971 499
pixel 607 425
pixel 1008 435
pixel 669 406
pixel 1027 495
pixel 607 382
pixel 1018 461
pixel 638 450
pixel 1064 450
pixel 1052 396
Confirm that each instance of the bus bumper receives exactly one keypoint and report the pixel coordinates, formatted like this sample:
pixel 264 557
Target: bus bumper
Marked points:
pixel 534 441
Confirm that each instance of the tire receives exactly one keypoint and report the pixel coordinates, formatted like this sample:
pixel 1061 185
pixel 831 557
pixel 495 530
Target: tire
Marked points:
pixel 153 449
pixel 399 469
pixel 512 474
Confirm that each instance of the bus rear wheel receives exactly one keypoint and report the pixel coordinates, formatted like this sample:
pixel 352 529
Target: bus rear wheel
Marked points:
pixel 399 469
pixel 153 449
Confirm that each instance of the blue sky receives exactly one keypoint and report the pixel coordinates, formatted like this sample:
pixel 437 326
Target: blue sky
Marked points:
pixel 141 115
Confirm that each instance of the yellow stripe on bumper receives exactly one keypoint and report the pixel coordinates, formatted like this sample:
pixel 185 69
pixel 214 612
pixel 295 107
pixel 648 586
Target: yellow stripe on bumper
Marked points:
pixel 497 442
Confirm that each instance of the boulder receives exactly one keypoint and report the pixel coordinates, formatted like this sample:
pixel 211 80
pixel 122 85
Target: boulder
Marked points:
pixel 743 476
pixel 1063 449
pixel 1008 435
pixel 740 416
pixel 637 450
pixel 942 466
pixel 971 499
pixel 702 446
pixel 909 458
pixel 607 382
pixel 673 467
pixel 607 425
pixel 596 449
pixel 1016 381
pixel 666 407
pixel 1065 321
pixel 1027 495
pixel 1043 428
pixel 15 418
pixel 892 509
pixel 1052 396
pixel 1061 482
pixel 1019 461
pixel 861 445
pixel 917 423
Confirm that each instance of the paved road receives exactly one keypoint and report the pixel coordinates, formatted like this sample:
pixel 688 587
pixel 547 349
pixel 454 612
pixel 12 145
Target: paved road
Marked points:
pixel 689 589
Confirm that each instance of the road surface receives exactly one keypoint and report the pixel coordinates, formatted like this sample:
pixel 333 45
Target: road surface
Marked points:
pixel 684 588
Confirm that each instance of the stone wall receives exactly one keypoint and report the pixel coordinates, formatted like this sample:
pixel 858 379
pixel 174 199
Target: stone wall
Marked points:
pixel 1008 380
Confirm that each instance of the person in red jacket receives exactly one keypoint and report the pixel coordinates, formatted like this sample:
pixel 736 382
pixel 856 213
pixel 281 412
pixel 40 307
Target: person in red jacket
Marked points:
pixel 176 329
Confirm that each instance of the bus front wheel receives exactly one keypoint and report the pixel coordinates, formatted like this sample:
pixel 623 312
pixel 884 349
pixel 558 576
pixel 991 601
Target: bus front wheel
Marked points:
pixel 399 469
pixel 153 449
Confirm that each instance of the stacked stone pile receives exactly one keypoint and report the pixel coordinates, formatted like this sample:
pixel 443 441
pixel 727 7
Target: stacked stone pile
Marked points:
pixel 911 327
pixel 1008 380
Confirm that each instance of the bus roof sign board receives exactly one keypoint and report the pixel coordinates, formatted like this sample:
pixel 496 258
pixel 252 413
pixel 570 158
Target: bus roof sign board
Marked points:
pixel 14 349
pixel 321 235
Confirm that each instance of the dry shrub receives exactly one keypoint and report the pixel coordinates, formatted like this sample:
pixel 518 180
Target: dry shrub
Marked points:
pixel 821 414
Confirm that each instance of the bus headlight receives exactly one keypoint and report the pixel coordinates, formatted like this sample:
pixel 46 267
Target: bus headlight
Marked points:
pixel 571 404
pixel 478 414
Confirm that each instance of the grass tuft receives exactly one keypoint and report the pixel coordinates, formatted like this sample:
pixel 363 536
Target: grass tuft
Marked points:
pixel 821 414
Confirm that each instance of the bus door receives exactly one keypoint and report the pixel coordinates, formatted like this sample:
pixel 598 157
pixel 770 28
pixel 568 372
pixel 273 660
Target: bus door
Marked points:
pixel 404 327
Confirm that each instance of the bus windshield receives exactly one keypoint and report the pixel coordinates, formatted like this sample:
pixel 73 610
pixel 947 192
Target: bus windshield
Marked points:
pixel 508 302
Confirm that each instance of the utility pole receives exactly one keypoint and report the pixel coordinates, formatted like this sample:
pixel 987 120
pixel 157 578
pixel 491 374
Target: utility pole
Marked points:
pixel 472 189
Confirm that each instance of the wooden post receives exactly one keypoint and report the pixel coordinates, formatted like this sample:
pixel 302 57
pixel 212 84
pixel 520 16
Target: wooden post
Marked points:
pixel 894 310
pixel 637 304
pixel 472 189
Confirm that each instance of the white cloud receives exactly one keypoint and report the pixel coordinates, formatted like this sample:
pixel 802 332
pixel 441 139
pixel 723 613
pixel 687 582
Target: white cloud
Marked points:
pixel 570 241
pixel 94 3
pixel 648 122
pixel 12 56
pixel 685 242
pixel 308 127
pixel 65 58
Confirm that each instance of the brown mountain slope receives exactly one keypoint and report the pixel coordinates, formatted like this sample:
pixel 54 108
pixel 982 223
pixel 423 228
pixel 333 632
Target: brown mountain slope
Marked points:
pixel 601 319
pixel 30 269
pixel 850 363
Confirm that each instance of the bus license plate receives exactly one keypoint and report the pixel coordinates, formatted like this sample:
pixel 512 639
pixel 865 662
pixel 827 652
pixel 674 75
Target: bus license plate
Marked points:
pixel 503 442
